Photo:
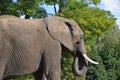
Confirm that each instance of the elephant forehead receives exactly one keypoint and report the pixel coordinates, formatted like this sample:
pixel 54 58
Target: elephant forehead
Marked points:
pixel 76 27
pixel 78 30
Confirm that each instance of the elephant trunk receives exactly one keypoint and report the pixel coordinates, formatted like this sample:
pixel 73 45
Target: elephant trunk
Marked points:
pixel 79 65
pixel 81 69
pixel 81 60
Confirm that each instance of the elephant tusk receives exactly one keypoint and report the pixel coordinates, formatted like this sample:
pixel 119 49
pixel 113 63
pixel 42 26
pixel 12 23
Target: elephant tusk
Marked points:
pixel 87 58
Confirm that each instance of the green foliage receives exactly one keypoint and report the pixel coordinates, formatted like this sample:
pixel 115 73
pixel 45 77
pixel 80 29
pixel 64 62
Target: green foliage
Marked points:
pixel 95 2
pixel 108 55
pixel 26 77
pixel 29 8
pixel 96 72
pixel 51 2
pixel 3 6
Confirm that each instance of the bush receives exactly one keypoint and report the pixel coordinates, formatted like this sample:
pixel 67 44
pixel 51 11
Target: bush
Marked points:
pixel 107 53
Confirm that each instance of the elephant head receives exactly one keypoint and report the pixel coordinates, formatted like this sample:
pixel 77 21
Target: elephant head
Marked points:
pixel 69 34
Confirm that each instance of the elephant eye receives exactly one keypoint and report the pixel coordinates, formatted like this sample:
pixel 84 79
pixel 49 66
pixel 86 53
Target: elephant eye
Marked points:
pixel 81 36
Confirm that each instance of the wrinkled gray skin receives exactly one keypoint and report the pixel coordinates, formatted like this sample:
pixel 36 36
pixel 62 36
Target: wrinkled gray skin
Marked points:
pixel 34 47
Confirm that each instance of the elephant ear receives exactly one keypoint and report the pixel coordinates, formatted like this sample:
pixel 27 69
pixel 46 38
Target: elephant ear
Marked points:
pixel 59 30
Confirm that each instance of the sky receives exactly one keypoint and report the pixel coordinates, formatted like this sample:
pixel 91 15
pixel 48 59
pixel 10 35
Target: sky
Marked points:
pixel 50 9
pixel 113 6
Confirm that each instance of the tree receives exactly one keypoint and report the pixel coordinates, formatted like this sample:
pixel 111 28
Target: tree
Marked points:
pixel 3 6
pixel 29 8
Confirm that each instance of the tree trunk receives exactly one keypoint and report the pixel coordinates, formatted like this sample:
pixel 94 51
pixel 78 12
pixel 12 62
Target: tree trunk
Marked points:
pixel 61 4
pixel 55 9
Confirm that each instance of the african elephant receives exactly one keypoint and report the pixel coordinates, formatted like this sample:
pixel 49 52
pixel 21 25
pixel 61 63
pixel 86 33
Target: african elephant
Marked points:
pixel 35 47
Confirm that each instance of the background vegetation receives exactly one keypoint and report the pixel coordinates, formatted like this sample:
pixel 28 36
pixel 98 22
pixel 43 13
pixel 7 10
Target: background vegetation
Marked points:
pixel 102 35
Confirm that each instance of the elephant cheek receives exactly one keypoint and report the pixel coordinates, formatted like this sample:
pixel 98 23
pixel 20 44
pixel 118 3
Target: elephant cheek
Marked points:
pixel 79 66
